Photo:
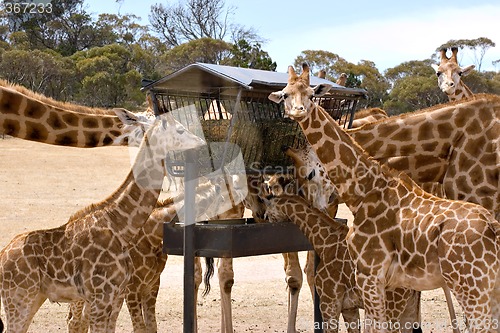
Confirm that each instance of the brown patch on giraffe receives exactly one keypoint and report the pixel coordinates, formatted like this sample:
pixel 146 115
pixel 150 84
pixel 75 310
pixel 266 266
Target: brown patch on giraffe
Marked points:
pixel 403 134
pixel 391 150
pixel 70 119
pixel 347 156
pixel 430 146
pixel 10 102
pixel 387 131
pixel 36 131
pixel 34 110
pixel 67 139
pixel 474 127
pixel 90 123
pixel 11 127
pixel 425 132
pixel 55 121
pixel 444 130
pixel 92 138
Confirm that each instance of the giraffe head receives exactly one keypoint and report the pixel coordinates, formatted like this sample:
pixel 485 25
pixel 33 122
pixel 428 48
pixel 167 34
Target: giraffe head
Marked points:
pixel 165 134
pixel 449 73
pixel 134 126
pixel 298 95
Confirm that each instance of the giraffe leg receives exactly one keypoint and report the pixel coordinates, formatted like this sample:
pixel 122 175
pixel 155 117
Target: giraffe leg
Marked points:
pixel 197 282
pixel 104 313
pixel 134 302
pixel 20 315
pixel 149 309
pixel 294 284
pixel 331 308
pixel 495 304
pixel 226 281
pixel 410 317
pixel 309 271
pixel 352 319
pixel 397 302
pixel 374 300
pixel 78 319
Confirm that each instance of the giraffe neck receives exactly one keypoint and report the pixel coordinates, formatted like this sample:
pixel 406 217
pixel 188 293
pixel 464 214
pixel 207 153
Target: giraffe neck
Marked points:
pixel 428 131
pixel 44 120
pixel 127 209
pixel 321 231
pixel 167 209
pixel 461 92
pixel 350 169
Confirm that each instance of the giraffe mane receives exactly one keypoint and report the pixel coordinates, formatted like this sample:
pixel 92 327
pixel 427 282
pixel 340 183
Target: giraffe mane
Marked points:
pixel 367 112
pixel 30 94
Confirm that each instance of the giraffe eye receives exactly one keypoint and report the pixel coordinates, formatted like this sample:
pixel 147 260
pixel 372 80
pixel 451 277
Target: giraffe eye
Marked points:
pixel 460 73
pixel 438 74
pixel 285 95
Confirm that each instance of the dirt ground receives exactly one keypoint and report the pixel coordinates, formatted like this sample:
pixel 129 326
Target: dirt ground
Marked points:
pixel 42 185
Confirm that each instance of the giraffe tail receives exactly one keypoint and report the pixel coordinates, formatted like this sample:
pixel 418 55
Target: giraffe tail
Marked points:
pixel 209 264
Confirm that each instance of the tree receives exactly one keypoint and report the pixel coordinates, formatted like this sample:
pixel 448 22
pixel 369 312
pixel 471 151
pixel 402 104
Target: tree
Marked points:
pixel 478 46
pixel 245 55
pixel 107 77
pixel 121 29
pixel 414 86
pixel 319 60
pixel 46 73
pixel 413 93
pixel 67 28
pixel 205 50
pixel 196 19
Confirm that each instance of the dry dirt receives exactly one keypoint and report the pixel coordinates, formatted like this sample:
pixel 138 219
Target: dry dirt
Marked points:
pixel 42 185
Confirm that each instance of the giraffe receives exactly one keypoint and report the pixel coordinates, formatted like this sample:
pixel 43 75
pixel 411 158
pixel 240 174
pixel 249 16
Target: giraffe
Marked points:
pixel 148 261
pixel 27 115
pixel 341 81
pixel 334 277
pixel 87 257
pixel 401 235
pixel 450 74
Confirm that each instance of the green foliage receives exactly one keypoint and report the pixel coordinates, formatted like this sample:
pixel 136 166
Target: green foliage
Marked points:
pixel 411 93
pixel 245 55
pixel 107 77
pixel 46 73
pixel 319 60
pixel 207 50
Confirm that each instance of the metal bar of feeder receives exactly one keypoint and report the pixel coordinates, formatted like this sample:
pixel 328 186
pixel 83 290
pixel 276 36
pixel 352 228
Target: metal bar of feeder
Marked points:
pixel 190 181
pixel 230 129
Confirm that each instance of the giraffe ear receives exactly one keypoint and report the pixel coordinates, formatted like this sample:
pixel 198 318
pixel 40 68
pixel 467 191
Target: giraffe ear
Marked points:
pixel 467 70
pixel 436 67
pixel 321 89
pixel 127 117
pixel 277 96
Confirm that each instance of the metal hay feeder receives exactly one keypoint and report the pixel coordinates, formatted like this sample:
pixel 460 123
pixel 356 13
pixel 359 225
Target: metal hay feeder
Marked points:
pixel 230 109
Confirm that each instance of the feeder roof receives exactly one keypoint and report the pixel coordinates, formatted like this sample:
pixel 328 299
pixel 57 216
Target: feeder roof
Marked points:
pixel 204 78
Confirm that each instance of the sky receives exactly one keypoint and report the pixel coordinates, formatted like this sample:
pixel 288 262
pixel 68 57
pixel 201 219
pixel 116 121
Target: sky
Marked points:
pixel 385 32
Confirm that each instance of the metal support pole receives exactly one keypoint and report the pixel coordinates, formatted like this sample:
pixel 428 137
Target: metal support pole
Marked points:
pixel 190 184
pixel 318 318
